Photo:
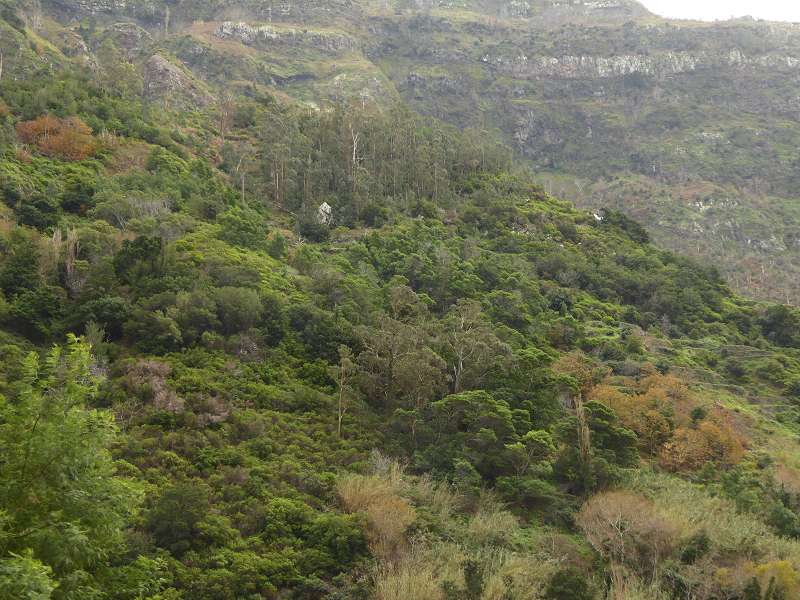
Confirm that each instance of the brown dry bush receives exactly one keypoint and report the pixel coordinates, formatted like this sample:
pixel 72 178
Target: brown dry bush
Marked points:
pixel 586 371
pixel 788 478
pixel 688 450
pixel 68 139
pixel 627 529
pixel 674 388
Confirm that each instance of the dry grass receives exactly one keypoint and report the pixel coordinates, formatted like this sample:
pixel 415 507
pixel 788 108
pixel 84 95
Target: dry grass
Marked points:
pixel 358 492
pixel 528 575
pixel 731 533
pixel 416 569
pixel 388 518
pixel 414 578
pixel 388 468
pixel 442 499
pixel 633 589
pixel 388 514
pixel 492 527
pixel 408 583
pixel 788 477
pixel 422 572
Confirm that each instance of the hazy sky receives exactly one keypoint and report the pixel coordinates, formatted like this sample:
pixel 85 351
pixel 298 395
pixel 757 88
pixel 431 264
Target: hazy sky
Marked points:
pixel 777 10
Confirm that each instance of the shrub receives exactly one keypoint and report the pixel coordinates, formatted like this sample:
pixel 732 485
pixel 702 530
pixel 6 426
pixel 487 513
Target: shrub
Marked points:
pixel 238 309
pixel 793 387
pixel 68 139
pixel 388 515
pixel 696 547
pixel 627 529
pixel 243 227
pixel 408 582
pixel 276 247
pixel 492 526
pixel 568 584
pixel 176 516
pixel 25 578
pixel 693 447
pixel 153 331
pixel 313 231
pixel 341 537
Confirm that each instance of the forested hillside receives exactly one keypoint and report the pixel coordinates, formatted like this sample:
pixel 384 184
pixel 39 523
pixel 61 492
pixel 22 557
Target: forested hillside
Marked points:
pixel 690 128
pixel 272 338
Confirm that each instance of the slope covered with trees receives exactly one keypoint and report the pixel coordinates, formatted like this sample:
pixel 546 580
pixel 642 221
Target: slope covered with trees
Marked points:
pixel 452 385
pixel 687 127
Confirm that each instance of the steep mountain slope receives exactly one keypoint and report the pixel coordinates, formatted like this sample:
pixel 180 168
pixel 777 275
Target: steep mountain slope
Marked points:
pixel 332 349
pixel 690 127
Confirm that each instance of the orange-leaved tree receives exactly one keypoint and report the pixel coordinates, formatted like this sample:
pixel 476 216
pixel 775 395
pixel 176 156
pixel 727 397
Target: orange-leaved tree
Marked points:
pixel 67 139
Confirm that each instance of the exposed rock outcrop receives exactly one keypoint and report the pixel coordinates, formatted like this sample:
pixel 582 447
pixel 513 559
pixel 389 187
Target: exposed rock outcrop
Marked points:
pixel 166 81
pixel 667 63
pixel 72 45
pixel 129 37
pixel 266 35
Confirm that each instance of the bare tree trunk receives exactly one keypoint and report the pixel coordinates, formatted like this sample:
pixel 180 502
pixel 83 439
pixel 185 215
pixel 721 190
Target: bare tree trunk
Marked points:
pixel 457 370
pixel 346 368
pixel 342 407
pixel 355 159
pixel 240 171
pixel 584 439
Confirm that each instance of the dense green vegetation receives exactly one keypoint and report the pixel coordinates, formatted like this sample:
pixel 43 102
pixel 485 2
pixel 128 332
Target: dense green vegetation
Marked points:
pixel 689 128
pixel 686 127
pixel 452 386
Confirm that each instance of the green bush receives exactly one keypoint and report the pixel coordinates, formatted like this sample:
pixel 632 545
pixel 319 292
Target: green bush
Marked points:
pixel 568 584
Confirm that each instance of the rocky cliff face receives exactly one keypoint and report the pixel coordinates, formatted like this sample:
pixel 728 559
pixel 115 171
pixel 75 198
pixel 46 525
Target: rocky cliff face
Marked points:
pixel 268 36
pixel 658 65
pixel 167 82
pixel 544 10
pixel 128 37
pixel 172 16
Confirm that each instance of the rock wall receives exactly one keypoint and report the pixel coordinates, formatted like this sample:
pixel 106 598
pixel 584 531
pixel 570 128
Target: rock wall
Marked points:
pixel 268 35
pixel 591 67
pixel 167 82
